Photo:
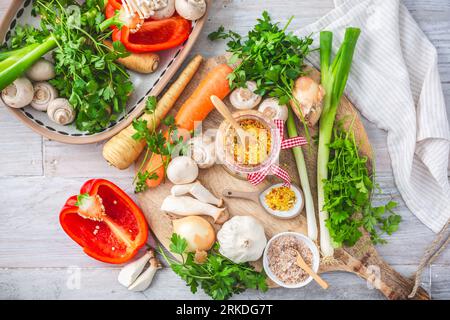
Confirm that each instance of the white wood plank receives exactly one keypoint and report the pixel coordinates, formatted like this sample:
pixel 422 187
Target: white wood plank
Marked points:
pixel 440 281
pixel 20 148
pixel 101 283
pixel 64 160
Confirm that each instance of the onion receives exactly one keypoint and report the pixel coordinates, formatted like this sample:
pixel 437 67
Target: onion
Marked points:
pixel 197 231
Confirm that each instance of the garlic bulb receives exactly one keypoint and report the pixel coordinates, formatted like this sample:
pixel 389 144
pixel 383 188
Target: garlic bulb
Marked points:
pixel 202 151
pixel 242 239
pixel 197 231
pixel 245 98
pixel 60 111
pixel 308 95
pixel 182 170
pixel 272 109
pixel 18 94
pixel 44 93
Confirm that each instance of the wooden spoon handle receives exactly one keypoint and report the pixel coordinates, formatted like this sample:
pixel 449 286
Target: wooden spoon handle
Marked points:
pixel 253 196
pixel 302 264
pixel 225 112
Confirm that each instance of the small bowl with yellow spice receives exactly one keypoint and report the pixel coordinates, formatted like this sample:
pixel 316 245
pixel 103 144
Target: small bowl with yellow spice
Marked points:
pixel 282 201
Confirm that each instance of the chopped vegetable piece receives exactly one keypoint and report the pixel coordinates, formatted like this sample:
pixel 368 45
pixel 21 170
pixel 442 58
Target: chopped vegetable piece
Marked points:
pixel 105 222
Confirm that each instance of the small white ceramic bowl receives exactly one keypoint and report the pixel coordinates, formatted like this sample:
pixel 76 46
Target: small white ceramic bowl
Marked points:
pixel 311 246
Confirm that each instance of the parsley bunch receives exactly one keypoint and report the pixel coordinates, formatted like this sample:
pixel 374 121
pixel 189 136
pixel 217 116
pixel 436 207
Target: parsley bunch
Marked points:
pixel 219 277
pixel 348 193
pixel 156 143
pixel 269 56
pixel 86 71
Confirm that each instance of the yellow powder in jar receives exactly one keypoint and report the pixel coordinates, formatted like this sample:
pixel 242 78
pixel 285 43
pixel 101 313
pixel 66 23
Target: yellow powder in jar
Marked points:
pixel 258 149
pixel 281 199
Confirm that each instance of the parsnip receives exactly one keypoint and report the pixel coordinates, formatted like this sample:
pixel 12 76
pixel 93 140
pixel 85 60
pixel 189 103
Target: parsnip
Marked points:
pixel 122 150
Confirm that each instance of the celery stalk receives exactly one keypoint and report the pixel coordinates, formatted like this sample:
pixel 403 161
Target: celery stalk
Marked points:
pixel 18 61
pixel 334 78
pixel 303 174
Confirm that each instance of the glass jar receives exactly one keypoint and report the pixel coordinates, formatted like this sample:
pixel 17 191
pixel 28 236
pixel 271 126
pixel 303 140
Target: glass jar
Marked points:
pixel 226 142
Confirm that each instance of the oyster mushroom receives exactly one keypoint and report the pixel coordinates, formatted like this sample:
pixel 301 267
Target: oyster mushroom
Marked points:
pixel 60 111
pixel 272 109
pixel 309 95
pixel 191 9
pixel 42 70
pixel 18 94
pixel 44 93
pixel 166 11
pixel 245 98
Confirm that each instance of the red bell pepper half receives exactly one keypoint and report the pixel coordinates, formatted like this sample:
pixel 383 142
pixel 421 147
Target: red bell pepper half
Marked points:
pixel 105 222
pixel 152 35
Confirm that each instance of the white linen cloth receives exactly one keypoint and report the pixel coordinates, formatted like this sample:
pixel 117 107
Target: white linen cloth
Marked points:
pixel 395 83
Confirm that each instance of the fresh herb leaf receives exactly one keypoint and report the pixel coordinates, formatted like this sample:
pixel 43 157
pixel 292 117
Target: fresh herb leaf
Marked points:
pixel 141 179
pixel 219 277
pixel 348 193
pixel 269 56
pixel 150 105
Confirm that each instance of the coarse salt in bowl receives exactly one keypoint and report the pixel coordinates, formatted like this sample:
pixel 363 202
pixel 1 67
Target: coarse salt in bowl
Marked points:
pixel 315 259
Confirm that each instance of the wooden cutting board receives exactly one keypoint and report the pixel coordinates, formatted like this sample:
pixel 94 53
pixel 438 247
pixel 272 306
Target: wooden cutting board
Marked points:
pixel 362 259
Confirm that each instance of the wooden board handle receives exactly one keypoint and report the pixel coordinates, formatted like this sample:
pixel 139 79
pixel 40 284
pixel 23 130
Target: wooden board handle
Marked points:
pixel 381 275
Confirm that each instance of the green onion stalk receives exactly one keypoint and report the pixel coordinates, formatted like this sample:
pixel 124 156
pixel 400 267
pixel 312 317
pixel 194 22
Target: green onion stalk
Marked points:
pixel 304 181
pixel 334 75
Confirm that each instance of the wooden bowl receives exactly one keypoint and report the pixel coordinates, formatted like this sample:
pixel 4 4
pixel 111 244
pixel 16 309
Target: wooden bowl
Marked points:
pixel 18 12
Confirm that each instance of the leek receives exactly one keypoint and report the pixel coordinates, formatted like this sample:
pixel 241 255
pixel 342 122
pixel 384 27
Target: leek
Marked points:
pixel 334 77
pixel 304 181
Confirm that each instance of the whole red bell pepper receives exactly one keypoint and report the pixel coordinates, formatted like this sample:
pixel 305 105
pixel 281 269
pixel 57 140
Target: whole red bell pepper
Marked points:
pixel 152 35
pixel 105 222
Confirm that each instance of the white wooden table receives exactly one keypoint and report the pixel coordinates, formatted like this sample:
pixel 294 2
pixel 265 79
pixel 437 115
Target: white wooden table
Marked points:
pixel 38 261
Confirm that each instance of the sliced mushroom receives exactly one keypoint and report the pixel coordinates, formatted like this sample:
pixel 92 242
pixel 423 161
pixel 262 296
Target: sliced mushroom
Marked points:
pixel 60 111
pixel 245 98
pixel 202 151
pixel 308 96
pixel 44 93
pixel 272 109
pixel 18 94
pixel 165 11
pixel 42 70
pixel 191 9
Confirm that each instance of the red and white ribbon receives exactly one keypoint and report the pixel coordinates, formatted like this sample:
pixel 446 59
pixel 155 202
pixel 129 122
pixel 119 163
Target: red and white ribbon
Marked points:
pixel 258 177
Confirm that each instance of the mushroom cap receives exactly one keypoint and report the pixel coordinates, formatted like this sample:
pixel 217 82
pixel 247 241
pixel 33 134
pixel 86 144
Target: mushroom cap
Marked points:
pixel 19 93
pixel 44 93
pixel 245 98
pixel 182 170
pixel 42 70
pixel 165 12
pixel 272 109
pixel 191 9
pixel 60 111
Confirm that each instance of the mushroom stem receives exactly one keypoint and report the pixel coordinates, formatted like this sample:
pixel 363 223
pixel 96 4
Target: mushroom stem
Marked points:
pixel 146 278
pixel 199 192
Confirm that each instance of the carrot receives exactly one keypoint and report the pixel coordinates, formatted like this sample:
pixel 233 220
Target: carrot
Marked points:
pixel 122 150
pixel 196 108
pixel 157 166
pixel 199 105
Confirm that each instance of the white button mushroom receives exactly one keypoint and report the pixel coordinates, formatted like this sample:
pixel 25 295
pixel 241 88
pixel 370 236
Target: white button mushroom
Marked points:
pixel 18 94
pixel 245 98
pixel 60 111
pixel 166 11
pixel 182 170
pixel 272 109
pixel 44 93
pixel 190 9
pixel 202 151
pixel 42 70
